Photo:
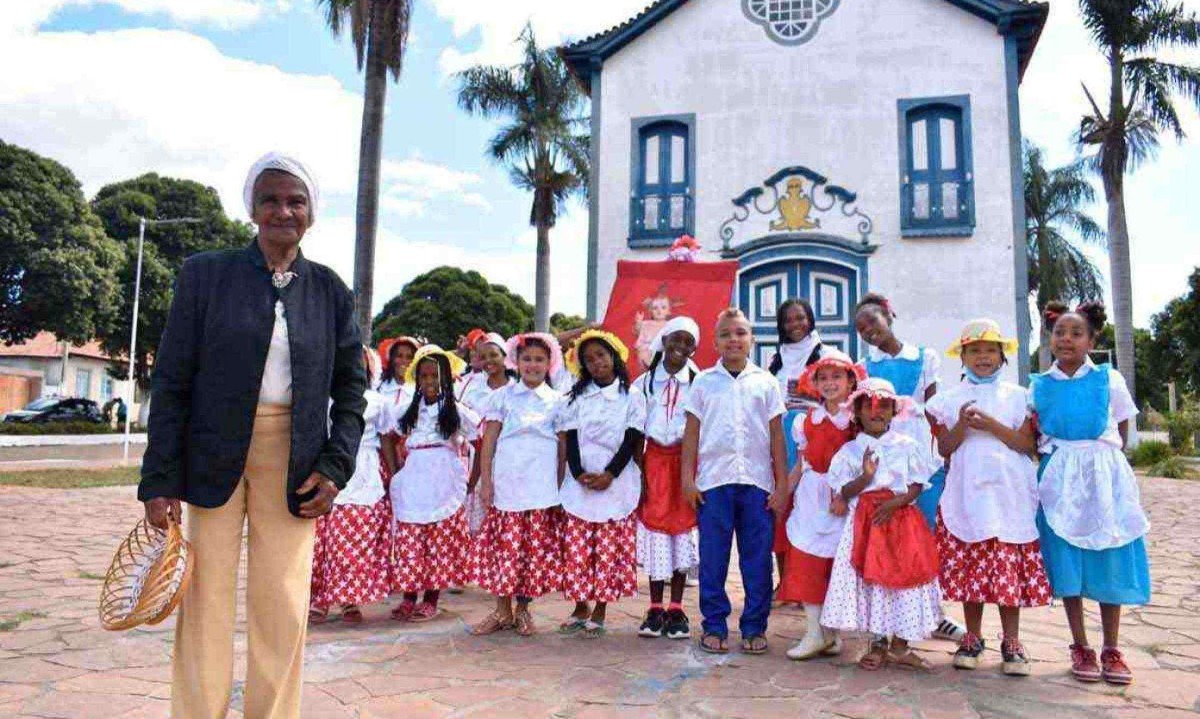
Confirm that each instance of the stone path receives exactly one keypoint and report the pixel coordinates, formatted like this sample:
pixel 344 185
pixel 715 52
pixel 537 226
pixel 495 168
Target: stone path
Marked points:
pixel 56 662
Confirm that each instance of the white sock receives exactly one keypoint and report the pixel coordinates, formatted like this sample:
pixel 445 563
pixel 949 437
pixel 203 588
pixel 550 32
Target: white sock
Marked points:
pixel 813 613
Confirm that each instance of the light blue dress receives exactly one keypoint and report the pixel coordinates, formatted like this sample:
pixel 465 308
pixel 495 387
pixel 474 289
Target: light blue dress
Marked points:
pixel 1074 410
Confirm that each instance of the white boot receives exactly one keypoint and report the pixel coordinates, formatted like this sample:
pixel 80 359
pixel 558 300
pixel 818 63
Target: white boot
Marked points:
pixel 814 641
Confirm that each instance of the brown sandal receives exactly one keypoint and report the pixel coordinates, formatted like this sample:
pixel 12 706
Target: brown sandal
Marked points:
pixel 524 623
pixel 875 657
pixel 352 615
pixel 720 646
pixel 317 616
pixel 756 644
pixel 494 622
pixel 909 661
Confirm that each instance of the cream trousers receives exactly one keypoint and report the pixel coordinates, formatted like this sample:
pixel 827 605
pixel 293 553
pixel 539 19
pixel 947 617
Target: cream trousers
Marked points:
pixel 279 565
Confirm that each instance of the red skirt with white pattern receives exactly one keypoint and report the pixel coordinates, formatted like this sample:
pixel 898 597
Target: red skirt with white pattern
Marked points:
pixel 991 571
pixel 430 556
pixel 351 555
pixel 518 554
pixel 599 559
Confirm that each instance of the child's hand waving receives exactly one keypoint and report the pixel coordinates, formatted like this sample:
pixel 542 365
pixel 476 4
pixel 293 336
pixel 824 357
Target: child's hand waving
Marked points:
pixel 870 464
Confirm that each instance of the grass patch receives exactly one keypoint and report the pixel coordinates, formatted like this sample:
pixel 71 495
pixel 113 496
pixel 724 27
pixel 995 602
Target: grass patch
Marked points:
pixel 15 622
pixel 89 575
pixel 1172 468
pixel 71 478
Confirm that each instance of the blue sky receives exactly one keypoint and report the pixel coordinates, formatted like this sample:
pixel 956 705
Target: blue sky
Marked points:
pixel 196 88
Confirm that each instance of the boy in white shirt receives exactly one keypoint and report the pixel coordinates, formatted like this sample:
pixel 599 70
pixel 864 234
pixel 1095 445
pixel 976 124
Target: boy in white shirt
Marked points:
pixel 734 473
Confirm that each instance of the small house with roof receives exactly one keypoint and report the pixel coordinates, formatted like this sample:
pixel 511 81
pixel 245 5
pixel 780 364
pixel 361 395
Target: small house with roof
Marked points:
pixel 830 147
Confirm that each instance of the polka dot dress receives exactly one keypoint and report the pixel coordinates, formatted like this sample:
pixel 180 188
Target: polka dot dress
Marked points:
pixel 661 555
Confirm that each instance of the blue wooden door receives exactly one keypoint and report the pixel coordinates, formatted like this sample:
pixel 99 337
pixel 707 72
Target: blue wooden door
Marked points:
pixel 831 288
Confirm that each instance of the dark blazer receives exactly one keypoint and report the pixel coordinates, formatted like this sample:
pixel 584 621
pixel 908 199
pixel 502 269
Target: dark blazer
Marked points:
pixel 209 368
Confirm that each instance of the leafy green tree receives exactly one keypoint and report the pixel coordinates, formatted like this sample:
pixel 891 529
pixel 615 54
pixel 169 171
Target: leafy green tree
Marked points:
pixel 379 31
pixel 1151 370
pixel 1142 90
pixel 560 322
pixel 541 145
pixel 152 196
pixel 58 270
pixel 447 302
pixel 1176 344
pixel 1058 269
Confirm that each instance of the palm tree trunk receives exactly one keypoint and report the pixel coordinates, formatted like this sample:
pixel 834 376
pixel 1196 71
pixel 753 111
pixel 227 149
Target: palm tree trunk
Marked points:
pixel 369 161
pixel 1122 286
pixel 541 309
pixel 1113 175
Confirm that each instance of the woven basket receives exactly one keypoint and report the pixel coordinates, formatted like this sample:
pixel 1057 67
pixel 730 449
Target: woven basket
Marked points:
pixel 147 578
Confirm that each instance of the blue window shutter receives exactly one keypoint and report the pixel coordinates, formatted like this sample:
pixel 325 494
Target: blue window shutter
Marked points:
pixel 937 181
pixel 661 206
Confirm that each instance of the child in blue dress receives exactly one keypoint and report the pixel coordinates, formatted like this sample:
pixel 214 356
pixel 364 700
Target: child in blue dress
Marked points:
pixel 1091 524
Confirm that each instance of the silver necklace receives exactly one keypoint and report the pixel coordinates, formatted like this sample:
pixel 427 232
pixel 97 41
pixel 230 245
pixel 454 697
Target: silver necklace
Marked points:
pixel 282 279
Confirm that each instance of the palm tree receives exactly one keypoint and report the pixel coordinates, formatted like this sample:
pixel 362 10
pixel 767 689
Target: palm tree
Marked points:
pixel 379 30
pixel 541 145
pixel 1058 269
pixel 1141 104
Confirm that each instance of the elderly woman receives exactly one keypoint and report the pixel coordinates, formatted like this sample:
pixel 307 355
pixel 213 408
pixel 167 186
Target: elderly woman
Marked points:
pixel 256 417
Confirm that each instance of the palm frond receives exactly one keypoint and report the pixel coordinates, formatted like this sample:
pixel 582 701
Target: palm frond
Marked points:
pixel 396 17
pixel 1163 26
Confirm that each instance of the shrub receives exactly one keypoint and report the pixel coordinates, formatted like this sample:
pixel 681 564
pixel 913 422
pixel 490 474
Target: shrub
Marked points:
pixel 1172 468
pixel 24 429
pixel 1150 452
pixel 1181 429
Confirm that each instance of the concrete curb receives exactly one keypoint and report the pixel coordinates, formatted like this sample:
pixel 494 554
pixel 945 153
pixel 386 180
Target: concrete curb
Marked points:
pixel 68 440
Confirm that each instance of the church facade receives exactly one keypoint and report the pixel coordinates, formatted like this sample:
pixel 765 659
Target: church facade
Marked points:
pixel 829 147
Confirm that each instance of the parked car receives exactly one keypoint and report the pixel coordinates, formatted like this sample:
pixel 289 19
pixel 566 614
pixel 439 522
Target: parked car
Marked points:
pixel 56 409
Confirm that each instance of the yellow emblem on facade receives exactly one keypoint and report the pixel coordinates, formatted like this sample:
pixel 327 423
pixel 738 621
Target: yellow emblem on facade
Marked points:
pixel 794 209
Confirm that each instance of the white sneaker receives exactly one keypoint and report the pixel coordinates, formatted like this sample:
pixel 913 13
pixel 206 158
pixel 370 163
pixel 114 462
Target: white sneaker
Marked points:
pixel 949 630
pixel 813 644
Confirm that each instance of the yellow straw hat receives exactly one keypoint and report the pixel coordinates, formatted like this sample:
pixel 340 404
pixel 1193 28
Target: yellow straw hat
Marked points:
pixel 457 365
pixel 983 330
pixel 608 338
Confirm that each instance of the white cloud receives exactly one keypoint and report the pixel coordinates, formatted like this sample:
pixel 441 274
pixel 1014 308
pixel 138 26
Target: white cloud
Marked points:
pixel 398 260
pixel 1159 207
pixel 411 185
pixel 113 105
pixel 499 24
pixel 26 15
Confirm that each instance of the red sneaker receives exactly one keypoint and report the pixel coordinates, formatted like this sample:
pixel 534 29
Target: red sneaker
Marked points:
pixel 1114 671
pixel 1083 664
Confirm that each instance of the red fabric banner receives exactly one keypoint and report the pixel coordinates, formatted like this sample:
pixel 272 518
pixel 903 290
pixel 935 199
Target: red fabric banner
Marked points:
pixel 647 295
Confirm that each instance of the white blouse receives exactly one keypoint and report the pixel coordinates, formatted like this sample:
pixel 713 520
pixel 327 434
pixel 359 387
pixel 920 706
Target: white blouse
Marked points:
pixel 794 357
pixel 819 414
pixel 396 399
pixel 276 387
pixel 916 425
pixel 432 484
pixel 811 527
pixel 735 426
pixel 601 415
pixel 991 490
pixel 475 392
pixel 525 467
pixel 365 487
pixel 899 457
pixel 665 415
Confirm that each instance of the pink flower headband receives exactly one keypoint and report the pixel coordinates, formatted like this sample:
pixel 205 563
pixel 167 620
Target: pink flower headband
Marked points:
pixel 517 342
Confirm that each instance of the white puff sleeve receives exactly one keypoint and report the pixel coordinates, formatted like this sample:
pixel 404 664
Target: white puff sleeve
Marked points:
pixel 1120 402
pixel 635 411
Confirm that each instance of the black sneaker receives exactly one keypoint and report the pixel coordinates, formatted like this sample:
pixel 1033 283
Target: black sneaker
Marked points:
pixel 969 650
pixel 652 626
pixel 1015 663
pixel 677 625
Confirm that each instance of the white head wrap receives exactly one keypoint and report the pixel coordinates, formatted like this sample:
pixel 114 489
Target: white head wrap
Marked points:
pixel 283 163
pixel 676 324
pixel 493 338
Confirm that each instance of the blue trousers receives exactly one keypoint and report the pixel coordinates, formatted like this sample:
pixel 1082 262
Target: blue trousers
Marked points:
pixel 741 510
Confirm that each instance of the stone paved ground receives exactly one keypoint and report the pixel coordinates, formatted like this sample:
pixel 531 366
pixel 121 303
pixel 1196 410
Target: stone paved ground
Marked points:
pixel 56 662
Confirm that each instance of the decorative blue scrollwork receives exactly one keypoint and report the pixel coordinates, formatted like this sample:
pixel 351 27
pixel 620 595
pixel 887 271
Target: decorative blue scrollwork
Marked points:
pixel 805 191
